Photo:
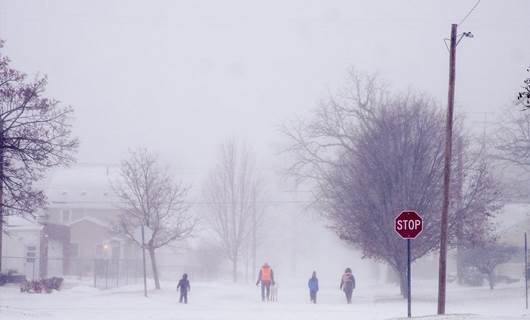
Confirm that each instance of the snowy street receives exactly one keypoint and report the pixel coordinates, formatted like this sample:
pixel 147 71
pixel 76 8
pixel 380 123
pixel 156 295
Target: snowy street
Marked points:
pixel 227 301
pixel 264 160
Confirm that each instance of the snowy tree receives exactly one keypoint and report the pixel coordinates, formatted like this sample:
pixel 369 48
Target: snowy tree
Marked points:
pixel 523 97
pixel 513 133
pixel 370 156
pixel 35 135
pixel 486 259
pixel 513 138
pixel 151 198
pixel 232 191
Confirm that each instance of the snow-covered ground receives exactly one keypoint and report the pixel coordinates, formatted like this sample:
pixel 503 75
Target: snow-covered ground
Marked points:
pixel 226 301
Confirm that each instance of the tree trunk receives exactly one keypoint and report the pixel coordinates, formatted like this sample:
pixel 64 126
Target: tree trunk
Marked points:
pixel 254 238
pixel 247 263
pixel 1 190
pixel 403 283
pixel 400 274
pixel 234 269
pixel 491 280
pixel 154 267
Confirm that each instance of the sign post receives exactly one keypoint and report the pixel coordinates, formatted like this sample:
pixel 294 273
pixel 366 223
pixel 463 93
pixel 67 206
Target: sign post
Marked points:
pixel 408 224
pixel 526 269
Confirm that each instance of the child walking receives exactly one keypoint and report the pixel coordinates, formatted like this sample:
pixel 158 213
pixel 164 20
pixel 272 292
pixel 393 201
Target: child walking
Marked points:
pixel 347 284
pixel 184 286
pixel 313 287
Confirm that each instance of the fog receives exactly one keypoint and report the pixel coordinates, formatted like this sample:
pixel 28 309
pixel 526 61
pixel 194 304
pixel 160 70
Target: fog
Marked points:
pixel 181 77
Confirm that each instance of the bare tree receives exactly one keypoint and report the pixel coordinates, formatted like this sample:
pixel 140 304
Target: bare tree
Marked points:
pixel 35 135
pixel 523 97
pixel 479 195
pixel 231 192
pixel 371 155
pixel 513 138
pixel 487 257
pixel 152 199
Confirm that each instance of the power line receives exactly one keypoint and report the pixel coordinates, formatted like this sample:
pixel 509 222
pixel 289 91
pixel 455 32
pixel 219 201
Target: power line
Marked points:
pixel 469 13
pixel 270 202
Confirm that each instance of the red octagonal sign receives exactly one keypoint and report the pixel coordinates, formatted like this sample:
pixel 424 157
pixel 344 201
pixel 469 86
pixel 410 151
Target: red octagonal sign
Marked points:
pixel 408 224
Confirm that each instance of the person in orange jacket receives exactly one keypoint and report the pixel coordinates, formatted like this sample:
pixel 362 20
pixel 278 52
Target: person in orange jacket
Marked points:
pixel 266 278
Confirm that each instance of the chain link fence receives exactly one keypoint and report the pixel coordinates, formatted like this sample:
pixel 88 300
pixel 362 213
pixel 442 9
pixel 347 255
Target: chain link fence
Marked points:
pixel 101 273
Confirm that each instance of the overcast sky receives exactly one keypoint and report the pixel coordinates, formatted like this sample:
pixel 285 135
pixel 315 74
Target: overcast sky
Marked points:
pixel 180 76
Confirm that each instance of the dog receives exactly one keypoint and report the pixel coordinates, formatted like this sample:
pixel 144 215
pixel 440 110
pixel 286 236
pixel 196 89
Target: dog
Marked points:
pixel 274 292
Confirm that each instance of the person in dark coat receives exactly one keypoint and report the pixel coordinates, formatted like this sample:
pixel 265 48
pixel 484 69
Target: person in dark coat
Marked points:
pixel 184 286
pixel 313 287
pixel 266 278
pixel 347 284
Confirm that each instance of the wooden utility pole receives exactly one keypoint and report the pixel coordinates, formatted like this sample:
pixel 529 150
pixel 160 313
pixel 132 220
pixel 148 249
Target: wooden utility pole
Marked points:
pixel 459 213
pixel 447 174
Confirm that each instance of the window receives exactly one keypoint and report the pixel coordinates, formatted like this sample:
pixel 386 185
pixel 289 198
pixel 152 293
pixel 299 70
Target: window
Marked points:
pixel 74 250
pixel 99 251
pixel 66 216
pixel 31 253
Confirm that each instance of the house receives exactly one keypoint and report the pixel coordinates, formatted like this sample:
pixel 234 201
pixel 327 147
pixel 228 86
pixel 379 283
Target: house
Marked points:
pixel 81 199
pixel 75 229
pixel 37 250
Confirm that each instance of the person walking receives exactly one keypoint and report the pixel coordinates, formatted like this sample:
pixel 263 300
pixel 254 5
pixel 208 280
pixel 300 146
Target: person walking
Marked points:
pixel 266 278
pixel 184 286
pixel 313 287
pixel 347 284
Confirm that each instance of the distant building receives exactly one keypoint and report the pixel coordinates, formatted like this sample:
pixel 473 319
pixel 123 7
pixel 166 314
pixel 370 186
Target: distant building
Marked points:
pixel 37 250
pixel 72 231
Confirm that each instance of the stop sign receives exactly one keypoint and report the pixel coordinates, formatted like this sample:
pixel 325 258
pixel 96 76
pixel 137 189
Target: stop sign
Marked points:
pixel 408 224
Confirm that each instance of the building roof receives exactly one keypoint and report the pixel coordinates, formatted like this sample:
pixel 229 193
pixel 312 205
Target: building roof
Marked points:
pixel 513 222
pixel 92 220
pixel 19 223
pixel 82 187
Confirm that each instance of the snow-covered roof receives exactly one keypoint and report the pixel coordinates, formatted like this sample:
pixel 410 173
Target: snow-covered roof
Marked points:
pixel 90 219
pixel 513 215
pixel 22 223
pixel 512 222
pixel 82 187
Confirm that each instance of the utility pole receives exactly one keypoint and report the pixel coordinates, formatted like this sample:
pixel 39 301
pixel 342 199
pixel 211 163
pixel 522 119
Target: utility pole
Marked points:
pixel 459 214
pixel 447 174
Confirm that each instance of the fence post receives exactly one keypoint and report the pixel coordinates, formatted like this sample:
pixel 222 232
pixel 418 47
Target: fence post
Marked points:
pixel 95 271
pixel 117 273
pixel 106 273
pixel 526 269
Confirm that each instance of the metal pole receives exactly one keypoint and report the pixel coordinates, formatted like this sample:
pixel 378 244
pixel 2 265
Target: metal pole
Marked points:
pixel 143 261
pixel 526 269
pixel 409 289
pixel 447 175
pixel 106 274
